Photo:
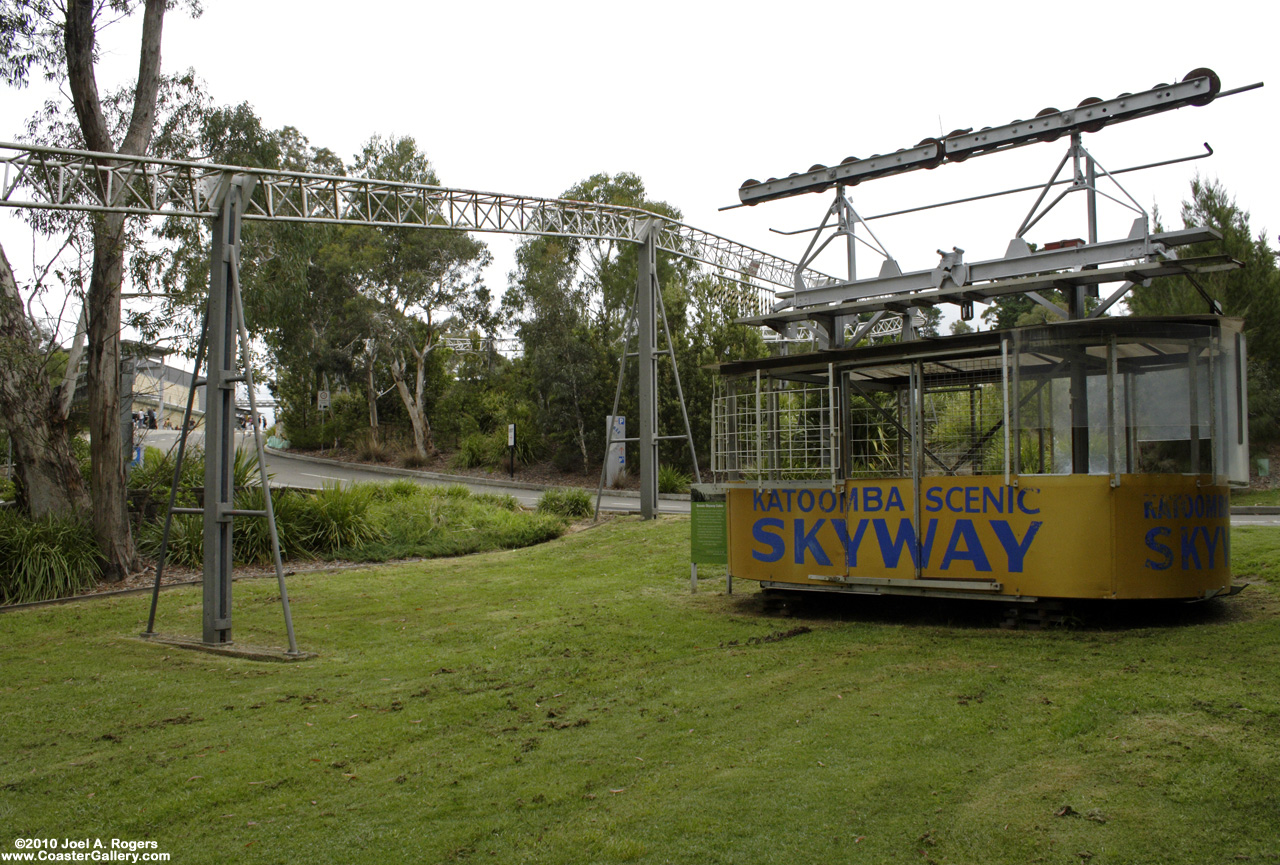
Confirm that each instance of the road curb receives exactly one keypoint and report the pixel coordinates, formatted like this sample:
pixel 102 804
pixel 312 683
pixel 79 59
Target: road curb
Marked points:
pixel 458 479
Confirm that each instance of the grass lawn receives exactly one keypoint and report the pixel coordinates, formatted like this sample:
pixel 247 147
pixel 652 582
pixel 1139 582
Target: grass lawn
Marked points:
pixel 1255 497
pixel 573 702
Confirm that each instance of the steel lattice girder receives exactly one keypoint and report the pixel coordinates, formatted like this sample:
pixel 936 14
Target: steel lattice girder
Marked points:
pixel 60 179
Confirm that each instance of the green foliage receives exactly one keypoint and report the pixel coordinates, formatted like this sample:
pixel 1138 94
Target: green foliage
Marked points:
pixel 569 298
pixel 571 503
pixel 400 488
pixel 8 489
pixel 451 521
pixel 47 558
pixel 372 448
pixel 474 451
pixel 80 450
pixel 309 526
pixel 186 540
pixel 346 422
pixel 337 517
pixel 672 480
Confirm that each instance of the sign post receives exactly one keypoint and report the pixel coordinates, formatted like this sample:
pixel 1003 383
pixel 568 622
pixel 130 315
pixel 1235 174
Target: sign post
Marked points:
pixel 708 540
pixel 511 446
pixel 322 401
pixel 615 450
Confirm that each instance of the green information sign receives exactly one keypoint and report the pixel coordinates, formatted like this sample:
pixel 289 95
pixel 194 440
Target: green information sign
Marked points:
pixel 709 537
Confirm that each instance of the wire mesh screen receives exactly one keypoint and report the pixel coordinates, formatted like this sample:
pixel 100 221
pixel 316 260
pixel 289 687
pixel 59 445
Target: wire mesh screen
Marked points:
pixel 770 430
pixel 876 431
pixel 963 417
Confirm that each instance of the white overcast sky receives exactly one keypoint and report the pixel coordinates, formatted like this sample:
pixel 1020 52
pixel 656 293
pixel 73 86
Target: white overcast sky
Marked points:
pixel 695 97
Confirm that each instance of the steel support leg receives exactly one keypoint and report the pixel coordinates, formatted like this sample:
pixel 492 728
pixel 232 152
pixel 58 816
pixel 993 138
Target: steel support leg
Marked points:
pixel 646 318
pixel 220 417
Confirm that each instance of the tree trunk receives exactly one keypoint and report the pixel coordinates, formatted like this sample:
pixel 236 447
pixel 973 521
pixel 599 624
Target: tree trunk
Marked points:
pixel 106 439
pixel 110 507
pixel 422 438
pixel 48 474
pixel 373 401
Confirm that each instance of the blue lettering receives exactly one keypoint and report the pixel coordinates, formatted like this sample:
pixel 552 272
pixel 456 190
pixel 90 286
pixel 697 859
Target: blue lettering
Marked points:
pixel 800 500
pixel 933 500
pixel 1159 548
pixel 993 496
pixel 895 499
pixel 955 509
pixel 850 544
pixel 1189 551
pixel 891 550
pixel 1212 543
pixel 775 503
pixel 760 531
pixel 789 494
pixel 871 503
pixel 758 502
pixel 972 551
pixel 827 501
pixel 809 541
pixel 1013 548
pixel 971 500
pixel 1022 504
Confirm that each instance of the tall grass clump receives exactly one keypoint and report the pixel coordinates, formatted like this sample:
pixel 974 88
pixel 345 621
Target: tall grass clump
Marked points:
pixel 410 458
pixel 570 503
pixel 672 480
pixel 370 449
pixel 337 517
pixel 54 557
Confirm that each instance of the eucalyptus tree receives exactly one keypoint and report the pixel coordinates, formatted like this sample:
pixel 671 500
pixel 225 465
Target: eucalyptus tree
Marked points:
pixel 569 299
pixel 425 282
pixel 59 40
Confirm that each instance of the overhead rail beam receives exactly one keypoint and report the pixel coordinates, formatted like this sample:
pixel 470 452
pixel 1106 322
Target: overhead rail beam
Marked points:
pixel 952 293
pixel 50 178
pixel 1199 87
pixel 957 272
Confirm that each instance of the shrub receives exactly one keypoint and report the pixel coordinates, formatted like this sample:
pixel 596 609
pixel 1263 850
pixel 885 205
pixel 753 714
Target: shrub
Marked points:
pixel 186 540
pixel 570 503
pixel 370 449
pixel 8 489
pixel 337 517
pixel 672 480
pixel 451 521
pixel 400 488
pixel 474 451
pixel 54 557
pixel 251 540
pixel 411 459
pixel 498 500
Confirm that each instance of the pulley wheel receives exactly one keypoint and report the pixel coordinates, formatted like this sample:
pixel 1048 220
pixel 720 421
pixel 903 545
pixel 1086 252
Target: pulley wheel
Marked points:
pixel 1092 125
pixel 941 155
pixel 957 155
pixel 1052 134
pixel 1215 85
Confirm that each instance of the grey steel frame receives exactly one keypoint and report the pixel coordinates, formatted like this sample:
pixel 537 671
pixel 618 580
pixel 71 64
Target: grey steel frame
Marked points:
pixel 75 180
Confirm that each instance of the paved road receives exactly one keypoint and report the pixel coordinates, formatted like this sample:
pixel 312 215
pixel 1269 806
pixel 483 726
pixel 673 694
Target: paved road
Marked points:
pixel 298 473
pixel 292 472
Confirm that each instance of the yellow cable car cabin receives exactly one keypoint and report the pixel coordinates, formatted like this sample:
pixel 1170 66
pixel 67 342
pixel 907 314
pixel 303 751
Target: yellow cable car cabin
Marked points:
pixel 1087 459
